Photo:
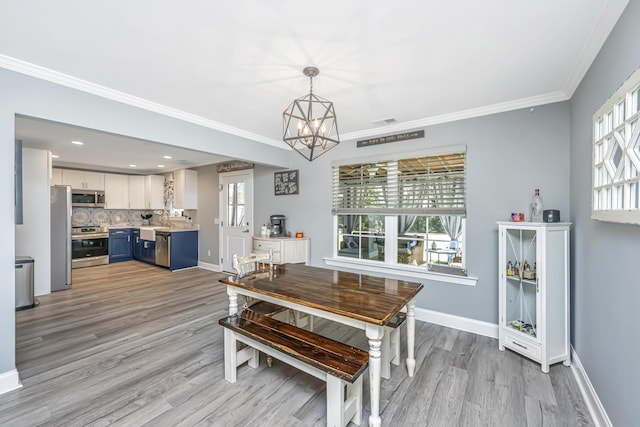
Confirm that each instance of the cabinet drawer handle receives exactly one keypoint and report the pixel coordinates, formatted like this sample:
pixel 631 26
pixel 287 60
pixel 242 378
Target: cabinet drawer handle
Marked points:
pixel 520 345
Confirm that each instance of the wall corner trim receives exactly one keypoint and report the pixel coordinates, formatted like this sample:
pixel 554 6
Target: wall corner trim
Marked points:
pixel 9 381
pixel 596 409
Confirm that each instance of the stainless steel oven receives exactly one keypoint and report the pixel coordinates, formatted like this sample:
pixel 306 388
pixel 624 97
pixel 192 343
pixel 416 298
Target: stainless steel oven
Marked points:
pixel 89 246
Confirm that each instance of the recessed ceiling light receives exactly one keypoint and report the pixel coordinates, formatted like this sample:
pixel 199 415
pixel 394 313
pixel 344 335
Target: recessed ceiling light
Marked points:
pixel 160 166
pixel 167 157
pixel 132 166
pixel 77 142
pixel 54 156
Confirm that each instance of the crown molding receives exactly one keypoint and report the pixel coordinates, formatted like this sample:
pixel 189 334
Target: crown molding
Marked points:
pixel 56 77
pixel 460 115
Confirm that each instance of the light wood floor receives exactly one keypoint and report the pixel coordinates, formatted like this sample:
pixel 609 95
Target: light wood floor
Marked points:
pixel 131 344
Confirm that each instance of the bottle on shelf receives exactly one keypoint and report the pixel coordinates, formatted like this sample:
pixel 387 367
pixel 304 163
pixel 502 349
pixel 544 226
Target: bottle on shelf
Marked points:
pixel 536 207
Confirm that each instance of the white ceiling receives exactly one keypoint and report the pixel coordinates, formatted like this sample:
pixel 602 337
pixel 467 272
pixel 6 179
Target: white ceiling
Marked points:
pixel 235 66
pixel 106 151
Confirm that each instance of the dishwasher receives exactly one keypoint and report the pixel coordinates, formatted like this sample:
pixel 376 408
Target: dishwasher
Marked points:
pixel 163 248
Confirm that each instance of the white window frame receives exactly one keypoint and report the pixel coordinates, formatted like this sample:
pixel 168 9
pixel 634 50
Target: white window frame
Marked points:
pixel 391 249
pixel 616 129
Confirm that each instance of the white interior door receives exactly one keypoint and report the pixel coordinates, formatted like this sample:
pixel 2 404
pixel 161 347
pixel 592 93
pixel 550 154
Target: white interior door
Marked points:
pixel 237 215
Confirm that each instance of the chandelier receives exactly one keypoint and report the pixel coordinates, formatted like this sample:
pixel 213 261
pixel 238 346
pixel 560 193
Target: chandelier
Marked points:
pixel 309 123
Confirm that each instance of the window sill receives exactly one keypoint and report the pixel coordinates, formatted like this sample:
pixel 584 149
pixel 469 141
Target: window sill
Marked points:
pixel 401 270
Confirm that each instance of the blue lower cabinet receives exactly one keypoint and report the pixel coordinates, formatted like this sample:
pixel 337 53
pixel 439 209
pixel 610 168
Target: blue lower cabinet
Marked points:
pixel 184 249
pixel 148 251
pixel 143 250
pixel 120 248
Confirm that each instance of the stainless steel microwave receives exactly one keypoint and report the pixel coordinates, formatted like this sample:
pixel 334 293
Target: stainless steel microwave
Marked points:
pixel 87 199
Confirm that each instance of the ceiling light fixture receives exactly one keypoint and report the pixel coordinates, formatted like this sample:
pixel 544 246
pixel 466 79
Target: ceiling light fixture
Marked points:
pixel 160 166
pixel 167 157
pixel 309 123
pixel 55 156
pixel 132 166
pixel 77 142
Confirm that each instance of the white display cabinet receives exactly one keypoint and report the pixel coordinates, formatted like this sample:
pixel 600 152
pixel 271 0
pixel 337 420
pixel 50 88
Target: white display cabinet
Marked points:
pixel 534 291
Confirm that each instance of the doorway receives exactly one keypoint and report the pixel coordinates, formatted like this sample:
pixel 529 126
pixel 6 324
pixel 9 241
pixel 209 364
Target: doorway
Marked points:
pixel 237 215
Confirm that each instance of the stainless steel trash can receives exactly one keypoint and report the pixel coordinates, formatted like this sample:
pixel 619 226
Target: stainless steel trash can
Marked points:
pixel 24 283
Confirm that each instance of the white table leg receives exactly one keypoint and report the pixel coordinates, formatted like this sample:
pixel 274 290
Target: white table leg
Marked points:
pixel 374 334
pixel 233 301
pixel 411 336
pixel 385 358
pixel 230 356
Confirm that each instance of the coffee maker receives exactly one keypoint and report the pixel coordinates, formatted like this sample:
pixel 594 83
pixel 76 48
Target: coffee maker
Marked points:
pixel 277 226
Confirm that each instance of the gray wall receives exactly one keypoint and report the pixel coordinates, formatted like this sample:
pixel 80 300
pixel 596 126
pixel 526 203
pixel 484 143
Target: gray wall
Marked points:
pixel 208 210
pixel 605 284
pixel 509 155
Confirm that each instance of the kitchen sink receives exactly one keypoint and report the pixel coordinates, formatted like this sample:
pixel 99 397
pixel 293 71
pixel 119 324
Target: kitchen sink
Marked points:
pixel 148 233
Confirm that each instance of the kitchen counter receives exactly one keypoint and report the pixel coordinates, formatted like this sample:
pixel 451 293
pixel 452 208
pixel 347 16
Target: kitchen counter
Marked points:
pixel 173 229
pixel 170 229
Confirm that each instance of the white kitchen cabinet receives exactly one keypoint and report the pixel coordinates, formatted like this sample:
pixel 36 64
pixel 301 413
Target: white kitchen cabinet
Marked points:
pixel 137 192
pixel 56 177
pixel 154 186
pixel 534 291
pixel 286 250
pixel 83 180
pixel 185 189
pixel 116 191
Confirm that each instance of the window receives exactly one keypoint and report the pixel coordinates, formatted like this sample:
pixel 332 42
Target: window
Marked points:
pixel 406 212
pixel 235 204
pixel 616 156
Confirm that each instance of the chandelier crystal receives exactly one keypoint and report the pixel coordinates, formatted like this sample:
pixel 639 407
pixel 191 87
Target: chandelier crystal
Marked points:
pixel 309 122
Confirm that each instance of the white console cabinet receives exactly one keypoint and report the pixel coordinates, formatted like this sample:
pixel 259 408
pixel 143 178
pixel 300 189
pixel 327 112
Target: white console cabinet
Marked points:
pixel 534 291
pixel 286 250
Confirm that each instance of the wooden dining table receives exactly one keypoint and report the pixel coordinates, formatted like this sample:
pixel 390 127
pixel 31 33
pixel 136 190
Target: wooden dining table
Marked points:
pixel 358 300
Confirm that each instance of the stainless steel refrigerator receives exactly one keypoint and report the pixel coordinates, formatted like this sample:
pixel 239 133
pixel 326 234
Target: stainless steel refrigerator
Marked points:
pixel 60 237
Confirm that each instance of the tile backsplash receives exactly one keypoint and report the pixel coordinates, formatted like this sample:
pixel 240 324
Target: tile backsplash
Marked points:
pixel 97 216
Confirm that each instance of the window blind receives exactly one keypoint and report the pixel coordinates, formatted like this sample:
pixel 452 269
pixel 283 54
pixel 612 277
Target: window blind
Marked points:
pixel 427 185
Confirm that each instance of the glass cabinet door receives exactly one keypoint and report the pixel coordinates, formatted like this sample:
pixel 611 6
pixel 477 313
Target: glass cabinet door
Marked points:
pixel 521 292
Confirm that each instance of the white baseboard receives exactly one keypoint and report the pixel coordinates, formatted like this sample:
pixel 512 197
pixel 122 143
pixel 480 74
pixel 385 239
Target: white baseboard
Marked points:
pixel 462 323
pixel 9 380
pixel 209 266
pixel 596 409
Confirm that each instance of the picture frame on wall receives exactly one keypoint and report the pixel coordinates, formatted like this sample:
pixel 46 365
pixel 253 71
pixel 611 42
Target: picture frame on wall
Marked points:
pixel 286 183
